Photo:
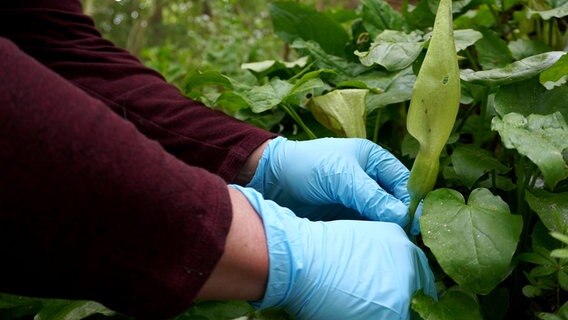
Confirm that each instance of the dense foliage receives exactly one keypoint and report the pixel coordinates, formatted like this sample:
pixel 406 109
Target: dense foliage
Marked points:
pixel 496 226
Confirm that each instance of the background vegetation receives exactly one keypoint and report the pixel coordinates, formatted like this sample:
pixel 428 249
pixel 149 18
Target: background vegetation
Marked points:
pixel 496 227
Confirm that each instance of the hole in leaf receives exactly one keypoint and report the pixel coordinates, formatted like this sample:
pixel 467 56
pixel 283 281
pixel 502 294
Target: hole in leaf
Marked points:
pixel 445 80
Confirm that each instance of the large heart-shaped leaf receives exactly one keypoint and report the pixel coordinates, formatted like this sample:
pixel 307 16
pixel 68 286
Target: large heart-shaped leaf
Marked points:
pixel 473 242
pixel 543 139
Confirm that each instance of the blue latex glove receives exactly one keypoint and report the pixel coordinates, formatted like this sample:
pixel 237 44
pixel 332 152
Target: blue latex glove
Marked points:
pixel 333 178
pixel 344 269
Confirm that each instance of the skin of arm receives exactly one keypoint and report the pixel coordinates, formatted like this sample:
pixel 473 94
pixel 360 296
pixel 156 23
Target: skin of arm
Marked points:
pixel 242 271
pixel 249 168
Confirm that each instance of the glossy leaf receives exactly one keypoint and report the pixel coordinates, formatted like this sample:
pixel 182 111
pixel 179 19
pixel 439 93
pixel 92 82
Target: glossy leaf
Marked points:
pixel 342 111
pixel 552 208
pixel 474 242
pixel 516 71
pixel 530 97
pixel 454 304
pixel 263 68
pixel 292 20
pixel 542 139
pixel 394 50
pixel 471 163
pixel 556 75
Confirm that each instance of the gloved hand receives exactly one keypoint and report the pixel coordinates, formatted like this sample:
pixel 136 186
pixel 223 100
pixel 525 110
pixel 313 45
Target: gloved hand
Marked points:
pixel 333 178
pixel 344 269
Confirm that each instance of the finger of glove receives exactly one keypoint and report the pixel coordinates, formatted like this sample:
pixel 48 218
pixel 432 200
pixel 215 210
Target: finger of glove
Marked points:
pixel 415 227
pixel 372 201
pixel 389 172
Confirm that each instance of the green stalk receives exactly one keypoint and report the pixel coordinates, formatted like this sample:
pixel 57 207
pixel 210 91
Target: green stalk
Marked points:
pixel 299 120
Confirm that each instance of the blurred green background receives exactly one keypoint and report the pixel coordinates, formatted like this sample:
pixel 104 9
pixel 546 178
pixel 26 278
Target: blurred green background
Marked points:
pixel 176 37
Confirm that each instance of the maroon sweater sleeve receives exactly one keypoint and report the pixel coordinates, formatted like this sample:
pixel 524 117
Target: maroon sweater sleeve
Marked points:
pixel 92 209
pixel 58 35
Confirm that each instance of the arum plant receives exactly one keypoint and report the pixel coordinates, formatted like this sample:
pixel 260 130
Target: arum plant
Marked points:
pixel 434 105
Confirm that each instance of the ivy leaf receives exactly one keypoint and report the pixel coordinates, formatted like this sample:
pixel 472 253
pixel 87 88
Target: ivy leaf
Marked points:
pixel 454 304
pixel 471 162
pixel 342 111
pixel 541 138
pixel 292 20
pixel 552 208
pixel 529 97
pixel 516 71
pixel 556 75
pixel 394 50
pixel 473 242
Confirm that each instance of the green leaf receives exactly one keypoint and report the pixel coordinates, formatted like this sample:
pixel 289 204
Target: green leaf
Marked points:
pixel 454 304
pixel 394 50
pixel 263 68
pixel 379 16
pixel 516 71
pixel 552 208
pixel 473 242
pixel 398 90
pixel 207 78
pixel 559 12
pixel 471 162
pixel 267 96
pixel 556 75
pixel 342 111
pixel 492 51
pixel 524 48
pixel 71 310
pixel 562 314
pixel 213 310
pixel 529 97
pixel 466 37
pixel 324 60
pixel 293 21
pixel 541 138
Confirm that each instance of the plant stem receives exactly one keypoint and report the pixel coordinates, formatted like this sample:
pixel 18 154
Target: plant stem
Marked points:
pixel 299 120
pixel 377 126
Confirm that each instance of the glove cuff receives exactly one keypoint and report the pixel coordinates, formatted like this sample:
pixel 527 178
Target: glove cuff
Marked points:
pixel 284 260
pixel 258 181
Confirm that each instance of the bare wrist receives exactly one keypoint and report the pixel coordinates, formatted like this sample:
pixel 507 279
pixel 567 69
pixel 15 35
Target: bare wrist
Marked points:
pixel 249 168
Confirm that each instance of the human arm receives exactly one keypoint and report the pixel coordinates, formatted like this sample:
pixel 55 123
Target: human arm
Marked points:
pixel 58 35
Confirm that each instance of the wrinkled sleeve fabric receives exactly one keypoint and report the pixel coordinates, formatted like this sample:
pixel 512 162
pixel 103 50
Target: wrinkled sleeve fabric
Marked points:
pixel 92 209
pixel 57 34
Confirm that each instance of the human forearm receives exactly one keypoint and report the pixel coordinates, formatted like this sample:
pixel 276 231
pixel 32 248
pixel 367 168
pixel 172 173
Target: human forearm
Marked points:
pixel 242 272
pixel 58 35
